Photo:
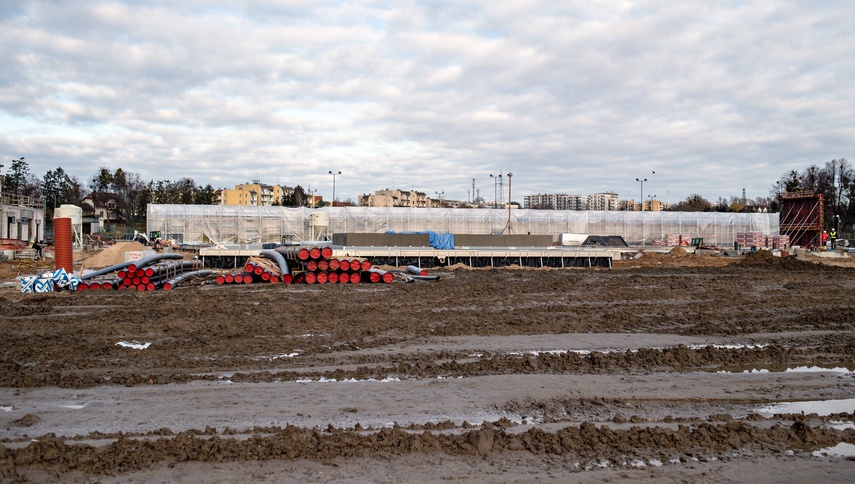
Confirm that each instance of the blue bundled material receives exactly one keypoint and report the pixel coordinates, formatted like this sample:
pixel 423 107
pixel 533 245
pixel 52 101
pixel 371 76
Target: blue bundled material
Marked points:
pixel 437 241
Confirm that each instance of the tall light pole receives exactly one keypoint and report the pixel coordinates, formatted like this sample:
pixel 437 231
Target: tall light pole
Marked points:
pixel 495 189
pixel 333 173
pixel 510 175
pixel 440 194
pixel 641 201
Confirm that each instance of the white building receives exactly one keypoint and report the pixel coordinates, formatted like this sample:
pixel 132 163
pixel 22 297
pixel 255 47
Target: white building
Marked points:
pixel 562 201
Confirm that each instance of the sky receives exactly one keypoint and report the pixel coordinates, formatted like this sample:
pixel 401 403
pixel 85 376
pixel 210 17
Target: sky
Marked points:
pixel 570 96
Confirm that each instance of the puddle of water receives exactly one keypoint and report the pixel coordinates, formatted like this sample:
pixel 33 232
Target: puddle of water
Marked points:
pixel 726 347
pixel 841 425
pixel 136 346
pixel 819 407
pixel 799 369
pixel 840 450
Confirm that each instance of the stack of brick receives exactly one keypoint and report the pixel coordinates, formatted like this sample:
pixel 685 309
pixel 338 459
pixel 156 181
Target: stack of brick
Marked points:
pixel 672 240
pixel 780 242
pixel 751 239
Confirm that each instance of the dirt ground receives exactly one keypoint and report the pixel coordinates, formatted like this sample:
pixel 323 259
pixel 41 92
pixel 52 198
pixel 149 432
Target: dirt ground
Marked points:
pixel 669 367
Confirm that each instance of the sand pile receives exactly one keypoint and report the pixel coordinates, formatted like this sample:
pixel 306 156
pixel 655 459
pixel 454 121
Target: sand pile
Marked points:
pixel 115 254
pixel 678 251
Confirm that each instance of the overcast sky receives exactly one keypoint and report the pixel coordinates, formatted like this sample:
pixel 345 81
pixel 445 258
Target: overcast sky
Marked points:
pixel 571 97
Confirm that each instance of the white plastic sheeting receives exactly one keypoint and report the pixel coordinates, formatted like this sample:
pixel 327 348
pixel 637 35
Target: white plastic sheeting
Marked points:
pixel 219 224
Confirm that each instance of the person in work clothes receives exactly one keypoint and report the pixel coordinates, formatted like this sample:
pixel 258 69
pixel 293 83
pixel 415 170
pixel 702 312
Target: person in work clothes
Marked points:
pixel 833 236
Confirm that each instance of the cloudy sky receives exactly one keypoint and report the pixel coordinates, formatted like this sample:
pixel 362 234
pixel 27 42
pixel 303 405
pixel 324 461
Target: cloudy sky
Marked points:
pixel 570 96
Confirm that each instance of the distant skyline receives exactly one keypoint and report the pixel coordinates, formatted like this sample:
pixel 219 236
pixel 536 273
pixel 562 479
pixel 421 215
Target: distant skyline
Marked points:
pixel 571 97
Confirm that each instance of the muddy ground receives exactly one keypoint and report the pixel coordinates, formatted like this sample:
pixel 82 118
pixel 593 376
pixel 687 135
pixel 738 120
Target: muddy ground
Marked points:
pixel 662 368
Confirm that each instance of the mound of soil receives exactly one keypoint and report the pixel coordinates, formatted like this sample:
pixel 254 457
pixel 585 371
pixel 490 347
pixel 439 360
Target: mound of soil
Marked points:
pixel 115 254
pixel 764 259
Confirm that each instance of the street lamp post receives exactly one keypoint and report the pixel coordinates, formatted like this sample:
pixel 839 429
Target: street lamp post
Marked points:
pixel 641 201
pixel 496 179
pixel 333 173
pixel 440 194
pixel 510 175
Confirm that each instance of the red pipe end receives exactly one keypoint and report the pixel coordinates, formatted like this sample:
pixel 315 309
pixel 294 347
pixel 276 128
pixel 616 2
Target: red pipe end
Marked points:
pixel 122 274
pixel 132 268
pixel 334 264
pixel 265 276
pixel 355 278
pixel 258 270
pixel 312 265
pixel 149 286
pixel 167 287
pixel 355 265
pixel 323 265
pixel 221 279
pixel 247 279
pixel 423 273
pixel 287 279
pixel 149 271
pixel 365 265
pixel 311 278
pixel 315 253
pixel 303 254
pixel 83 287
pixel 332 277
pixel 374 276
pixel 323 278
pixel 230 278
pixel 326 252
pixel 388 278
pixel 140 287
pixel 274 279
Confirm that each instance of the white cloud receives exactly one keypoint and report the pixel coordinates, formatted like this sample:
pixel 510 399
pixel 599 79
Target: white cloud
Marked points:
pixel 572 97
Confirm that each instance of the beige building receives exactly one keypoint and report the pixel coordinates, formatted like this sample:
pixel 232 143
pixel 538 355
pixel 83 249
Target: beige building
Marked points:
pixel 396 198
pixel 254 194
pixel 563 201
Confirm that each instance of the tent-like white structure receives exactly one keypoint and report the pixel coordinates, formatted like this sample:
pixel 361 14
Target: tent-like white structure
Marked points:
pixel 220 224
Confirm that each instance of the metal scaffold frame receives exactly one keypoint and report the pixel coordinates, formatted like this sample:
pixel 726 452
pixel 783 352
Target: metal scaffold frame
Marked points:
pixel 802 218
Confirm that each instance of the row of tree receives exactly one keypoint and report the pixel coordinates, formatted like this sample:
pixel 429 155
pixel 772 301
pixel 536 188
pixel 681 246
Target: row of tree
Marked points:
pixel 131 192
pixel 835 181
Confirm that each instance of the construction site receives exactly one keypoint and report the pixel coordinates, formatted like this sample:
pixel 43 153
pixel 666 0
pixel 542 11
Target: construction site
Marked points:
pixel 370 345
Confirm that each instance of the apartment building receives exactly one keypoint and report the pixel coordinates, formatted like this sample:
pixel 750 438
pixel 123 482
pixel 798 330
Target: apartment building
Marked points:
pixel 254 194
pixel 563 201
pixel 396 198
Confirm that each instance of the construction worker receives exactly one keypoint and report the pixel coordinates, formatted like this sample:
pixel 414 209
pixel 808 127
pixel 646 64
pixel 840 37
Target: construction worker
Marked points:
pixel 825 239
pixel 833 236
pixel 35 245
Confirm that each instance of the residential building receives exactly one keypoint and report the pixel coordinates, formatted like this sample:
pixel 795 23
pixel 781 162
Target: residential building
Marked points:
pixel 396 198
pixel 254 194
pixel 103 208
pixel 563 201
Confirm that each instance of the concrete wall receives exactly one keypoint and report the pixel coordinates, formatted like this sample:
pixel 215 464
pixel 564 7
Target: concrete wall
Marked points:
pixel 423 240
pixel 382 240
pixel 21 223
pixel 511 240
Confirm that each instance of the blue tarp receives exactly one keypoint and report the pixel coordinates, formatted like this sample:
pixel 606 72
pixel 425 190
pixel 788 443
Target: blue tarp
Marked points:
pixel 437 241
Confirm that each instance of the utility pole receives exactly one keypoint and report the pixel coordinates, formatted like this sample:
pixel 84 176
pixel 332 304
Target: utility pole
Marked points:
pixel 510 175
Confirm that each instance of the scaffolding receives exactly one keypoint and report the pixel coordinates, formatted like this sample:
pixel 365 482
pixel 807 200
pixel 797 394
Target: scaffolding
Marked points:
pixel 802 218
pixel 219 224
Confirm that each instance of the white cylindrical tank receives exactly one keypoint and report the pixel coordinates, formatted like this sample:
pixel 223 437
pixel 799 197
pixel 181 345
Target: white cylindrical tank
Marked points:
pixel 319 219
pixel 75 213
